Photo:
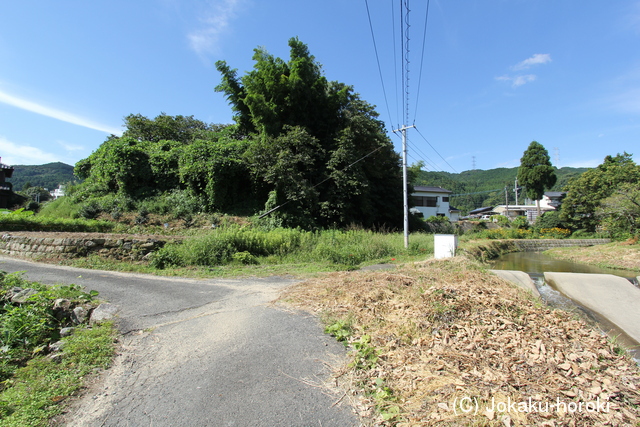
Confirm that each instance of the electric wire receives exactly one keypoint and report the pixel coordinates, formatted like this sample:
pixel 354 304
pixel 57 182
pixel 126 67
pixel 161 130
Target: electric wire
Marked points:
pixel 324 180
pixel 375 48
pixel 424 42
pixel 420 133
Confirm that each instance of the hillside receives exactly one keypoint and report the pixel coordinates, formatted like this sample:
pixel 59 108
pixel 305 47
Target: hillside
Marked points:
pixel 477 188
pixel 47 176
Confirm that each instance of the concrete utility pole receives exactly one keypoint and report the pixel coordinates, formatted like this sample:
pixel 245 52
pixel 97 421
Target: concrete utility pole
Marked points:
pixel 405 183
pixel 515 190
pixel 506 200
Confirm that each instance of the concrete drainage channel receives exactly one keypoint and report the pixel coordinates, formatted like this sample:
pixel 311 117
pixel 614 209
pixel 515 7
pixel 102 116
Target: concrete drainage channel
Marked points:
pixel 600 299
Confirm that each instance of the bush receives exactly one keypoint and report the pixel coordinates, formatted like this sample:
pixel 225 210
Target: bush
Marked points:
pixel 550 219
pixel 27 329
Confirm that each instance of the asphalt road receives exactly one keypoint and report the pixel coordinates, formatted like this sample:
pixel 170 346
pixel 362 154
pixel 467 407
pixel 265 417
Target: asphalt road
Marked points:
pixel 204 353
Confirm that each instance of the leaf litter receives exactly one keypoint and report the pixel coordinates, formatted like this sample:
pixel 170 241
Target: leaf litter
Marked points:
pixel 457 345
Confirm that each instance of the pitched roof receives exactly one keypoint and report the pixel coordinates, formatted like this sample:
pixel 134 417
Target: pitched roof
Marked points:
pixel 431 190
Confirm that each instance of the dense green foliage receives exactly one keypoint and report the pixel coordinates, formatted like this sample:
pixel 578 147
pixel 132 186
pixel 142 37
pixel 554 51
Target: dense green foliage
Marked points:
pixel 308 147
pixel 608 195
pixel 309 137
pixel 478 188
pixel 48 176
pixel 536 173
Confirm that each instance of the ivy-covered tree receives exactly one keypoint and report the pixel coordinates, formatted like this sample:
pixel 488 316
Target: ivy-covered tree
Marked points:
pixel 318 147
pixel 615 177
pixel 536 172
pixel 202 159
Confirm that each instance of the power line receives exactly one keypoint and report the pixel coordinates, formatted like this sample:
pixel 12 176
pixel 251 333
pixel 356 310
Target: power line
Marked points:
pixel 323 181
pixel 375 48
pixel 424 42
pixel 443 159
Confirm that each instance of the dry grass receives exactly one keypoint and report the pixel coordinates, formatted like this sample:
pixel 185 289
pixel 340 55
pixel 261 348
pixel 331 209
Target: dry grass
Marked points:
pixel 624 255
pixel 448 330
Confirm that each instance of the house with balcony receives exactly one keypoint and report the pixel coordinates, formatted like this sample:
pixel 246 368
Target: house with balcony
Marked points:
pixel 433 201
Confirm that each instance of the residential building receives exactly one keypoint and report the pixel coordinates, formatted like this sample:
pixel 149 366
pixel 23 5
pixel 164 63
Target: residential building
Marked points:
pixel 6 192
pixel 434 201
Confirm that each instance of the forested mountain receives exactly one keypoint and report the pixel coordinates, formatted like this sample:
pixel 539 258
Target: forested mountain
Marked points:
pixel 47 176
pixel 478 188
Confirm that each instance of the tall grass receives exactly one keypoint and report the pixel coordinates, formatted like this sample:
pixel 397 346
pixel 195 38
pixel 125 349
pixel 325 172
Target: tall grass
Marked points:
pixel 245 244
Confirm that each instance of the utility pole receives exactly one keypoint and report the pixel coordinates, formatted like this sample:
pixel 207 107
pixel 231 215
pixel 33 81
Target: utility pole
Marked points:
pixel 515 190
pixel 506 201
pixel 405 183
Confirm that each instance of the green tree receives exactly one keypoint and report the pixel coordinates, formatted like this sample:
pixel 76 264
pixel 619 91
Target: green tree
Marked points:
pixel 586 193
pixel 536 172
pixel 620 213
pixel 326 130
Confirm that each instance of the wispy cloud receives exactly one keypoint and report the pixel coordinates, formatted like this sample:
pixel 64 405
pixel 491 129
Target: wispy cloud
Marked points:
pixel 521 79
pixel 70 147
pixel 538 58
pixel 15 154
pixel 517 80
pixel 215 22
pixel 54 113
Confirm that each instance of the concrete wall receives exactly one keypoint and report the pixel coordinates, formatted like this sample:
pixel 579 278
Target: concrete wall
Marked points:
pixel 61 248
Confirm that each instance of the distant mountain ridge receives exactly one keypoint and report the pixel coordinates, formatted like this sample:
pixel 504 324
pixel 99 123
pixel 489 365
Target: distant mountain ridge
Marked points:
pixel 48 176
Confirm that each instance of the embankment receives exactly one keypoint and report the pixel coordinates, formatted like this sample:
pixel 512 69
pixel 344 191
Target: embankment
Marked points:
pixel 495 248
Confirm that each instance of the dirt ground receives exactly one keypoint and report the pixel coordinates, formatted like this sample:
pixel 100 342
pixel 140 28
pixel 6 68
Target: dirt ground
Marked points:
pixel 454 344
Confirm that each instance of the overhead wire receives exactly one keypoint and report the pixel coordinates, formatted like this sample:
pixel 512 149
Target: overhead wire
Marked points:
pixel 424 42
pixel 323 181
pixel 434 149
pixel 375 48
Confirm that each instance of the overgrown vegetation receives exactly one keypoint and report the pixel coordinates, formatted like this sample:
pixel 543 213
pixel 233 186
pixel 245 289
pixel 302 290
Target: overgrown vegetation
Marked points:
pixel 246 245
pixel 38 367
pixel 298 144
pixel 22 220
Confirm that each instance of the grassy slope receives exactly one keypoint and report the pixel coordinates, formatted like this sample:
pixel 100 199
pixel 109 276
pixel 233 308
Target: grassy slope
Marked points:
pixel 623 255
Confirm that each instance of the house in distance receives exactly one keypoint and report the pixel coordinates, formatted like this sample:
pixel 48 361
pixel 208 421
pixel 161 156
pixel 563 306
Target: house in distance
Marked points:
pixel 5 187
pixel 433 201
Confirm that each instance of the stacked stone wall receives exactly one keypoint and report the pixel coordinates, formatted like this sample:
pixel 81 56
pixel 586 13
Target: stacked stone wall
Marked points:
pixel 69 247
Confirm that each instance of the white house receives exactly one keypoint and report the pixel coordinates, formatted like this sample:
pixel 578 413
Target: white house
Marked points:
pixel 434 201
pixel 58 192
pixel 550 201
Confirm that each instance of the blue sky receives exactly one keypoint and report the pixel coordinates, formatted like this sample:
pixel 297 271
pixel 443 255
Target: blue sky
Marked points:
pixel 496 74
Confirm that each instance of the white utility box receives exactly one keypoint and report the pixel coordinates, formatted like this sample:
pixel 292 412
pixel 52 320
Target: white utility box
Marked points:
pixel 444 245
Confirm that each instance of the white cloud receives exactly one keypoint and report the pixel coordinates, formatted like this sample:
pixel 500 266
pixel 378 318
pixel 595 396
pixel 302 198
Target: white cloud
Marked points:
pixel 216 21
pixel 521 79
pixel 517 80
pixel 70 147
pixel 54 113
pixel 15 154
pixel 538 58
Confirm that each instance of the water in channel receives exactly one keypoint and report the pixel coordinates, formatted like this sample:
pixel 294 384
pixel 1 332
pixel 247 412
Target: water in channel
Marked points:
pixel 536 264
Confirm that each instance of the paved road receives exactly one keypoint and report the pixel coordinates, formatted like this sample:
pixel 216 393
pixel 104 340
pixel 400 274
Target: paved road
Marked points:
pixel 204 353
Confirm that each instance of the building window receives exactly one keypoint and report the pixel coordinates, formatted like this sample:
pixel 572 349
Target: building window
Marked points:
pixel 427 201
pixel 445 199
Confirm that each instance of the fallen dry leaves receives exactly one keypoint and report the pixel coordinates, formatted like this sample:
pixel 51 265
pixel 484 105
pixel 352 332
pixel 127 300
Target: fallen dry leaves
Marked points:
pixel 460 346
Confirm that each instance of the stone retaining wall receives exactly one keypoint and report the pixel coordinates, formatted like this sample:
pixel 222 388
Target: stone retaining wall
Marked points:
pixel 540 245
pixel 61 248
